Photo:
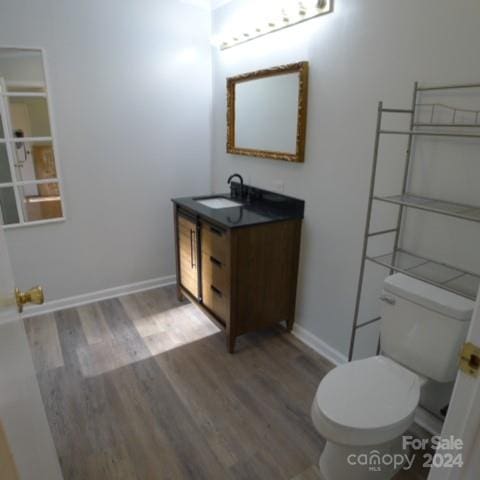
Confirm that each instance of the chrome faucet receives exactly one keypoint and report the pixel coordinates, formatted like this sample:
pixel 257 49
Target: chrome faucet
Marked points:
pixel 233 192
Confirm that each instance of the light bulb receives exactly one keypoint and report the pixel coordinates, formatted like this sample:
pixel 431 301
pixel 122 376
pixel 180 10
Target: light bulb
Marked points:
pixel 279 14
pixel 312 4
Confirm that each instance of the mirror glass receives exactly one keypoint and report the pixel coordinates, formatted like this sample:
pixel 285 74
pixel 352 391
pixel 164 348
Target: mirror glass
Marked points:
pixel 29 184
pixel 267 113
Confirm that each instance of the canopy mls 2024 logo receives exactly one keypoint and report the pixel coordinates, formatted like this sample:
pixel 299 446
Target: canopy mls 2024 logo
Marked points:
pixel 435 451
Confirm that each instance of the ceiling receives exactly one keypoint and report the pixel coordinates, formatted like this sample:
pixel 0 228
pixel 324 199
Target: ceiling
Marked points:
pixel 209 4
pixel 218 3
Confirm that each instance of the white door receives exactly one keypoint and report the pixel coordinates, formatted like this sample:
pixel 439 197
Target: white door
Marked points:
pixel 21 409
pixel 463 419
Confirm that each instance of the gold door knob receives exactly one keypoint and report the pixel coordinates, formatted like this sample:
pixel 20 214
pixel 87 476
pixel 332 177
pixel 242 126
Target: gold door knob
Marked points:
pixel 34 295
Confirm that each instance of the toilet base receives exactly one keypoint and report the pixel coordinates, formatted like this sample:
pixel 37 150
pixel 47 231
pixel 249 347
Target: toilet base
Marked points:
pixel 374 462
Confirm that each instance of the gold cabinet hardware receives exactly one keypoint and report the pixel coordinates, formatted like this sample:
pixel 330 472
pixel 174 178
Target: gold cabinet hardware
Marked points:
pixel 34 295
pixel 470 359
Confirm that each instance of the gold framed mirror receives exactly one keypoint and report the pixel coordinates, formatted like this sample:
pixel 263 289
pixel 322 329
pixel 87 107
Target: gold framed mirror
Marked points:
pixel 267 113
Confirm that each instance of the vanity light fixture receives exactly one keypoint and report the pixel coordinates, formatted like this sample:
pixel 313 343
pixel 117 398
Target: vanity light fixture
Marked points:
pixel 289 13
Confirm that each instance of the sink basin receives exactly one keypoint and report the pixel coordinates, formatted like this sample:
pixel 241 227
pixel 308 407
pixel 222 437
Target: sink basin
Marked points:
pixel 218 202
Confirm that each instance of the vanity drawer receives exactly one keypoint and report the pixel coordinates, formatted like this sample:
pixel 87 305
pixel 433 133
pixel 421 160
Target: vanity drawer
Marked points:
pixel 216 301
pixel 216 273
pixel 215 242
pixel 215 287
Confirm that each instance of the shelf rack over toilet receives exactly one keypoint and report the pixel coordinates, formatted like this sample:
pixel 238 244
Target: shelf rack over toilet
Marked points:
pixel 461 281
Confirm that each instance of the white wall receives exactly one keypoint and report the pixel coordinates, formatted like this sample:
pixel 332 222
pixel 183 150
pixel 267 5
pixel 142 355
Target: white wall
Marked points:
pixel 364 52
pixel 130 84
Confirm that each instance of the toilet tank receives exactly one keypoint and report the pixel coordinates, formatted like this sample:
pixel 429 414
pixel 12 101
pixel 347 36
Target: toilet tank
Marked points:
pixel 423 327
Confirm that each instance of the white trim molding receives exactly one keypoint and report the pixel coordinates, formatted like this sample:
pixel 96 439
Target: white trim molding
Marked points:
pixel 85 298
pixel 322 348
pixel 429 422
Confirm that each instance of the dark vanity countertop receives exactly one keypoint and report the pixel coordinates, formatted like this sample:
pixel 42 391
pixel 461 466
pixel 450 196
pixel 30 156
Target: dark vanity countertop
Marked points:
pixel 262 207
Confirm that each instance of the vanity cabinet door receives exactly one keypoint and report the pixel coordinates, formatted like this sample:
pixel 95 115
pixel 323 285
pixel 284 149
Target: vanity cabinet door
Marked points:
pixel 188 254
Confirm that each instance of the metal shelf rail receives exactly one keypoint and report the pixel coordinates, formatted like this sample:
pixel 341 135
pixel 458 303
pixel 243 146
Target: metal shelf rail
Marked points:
pixel 458 210
pixel 455 115
pixel 448 277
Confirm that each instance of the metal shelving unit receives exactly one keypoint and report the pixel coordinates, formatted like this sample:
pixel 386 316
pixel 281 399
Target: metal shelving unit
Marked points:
pixel 434 272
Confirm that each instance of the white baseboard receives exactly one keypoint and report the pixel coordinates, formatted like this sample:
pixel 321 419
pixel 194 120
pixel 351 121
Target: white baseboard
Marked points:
pixel 86 298
pixel 428 421
pixel 322 348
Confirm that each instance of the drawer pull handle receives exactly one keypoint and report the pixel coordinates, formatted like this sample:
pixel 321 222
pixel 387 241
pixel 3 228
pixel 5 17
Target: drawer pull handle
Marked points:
pixel 216 231
pixel 216 262
pixel 192 249
pixel 216 290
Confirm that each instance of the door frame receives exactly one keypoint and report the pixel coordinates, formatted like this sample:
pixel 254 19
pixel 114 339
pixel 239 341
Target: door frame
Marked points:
pixel 463 417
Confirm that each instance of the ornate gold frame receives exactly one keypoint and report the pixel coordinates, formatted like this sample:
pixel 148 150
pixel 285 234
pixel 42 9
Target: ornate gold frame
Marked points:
pixel 299 156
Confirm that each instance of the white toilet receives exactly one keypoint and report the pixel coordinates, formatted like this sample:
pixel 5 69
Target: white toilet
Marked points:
pixel 365 406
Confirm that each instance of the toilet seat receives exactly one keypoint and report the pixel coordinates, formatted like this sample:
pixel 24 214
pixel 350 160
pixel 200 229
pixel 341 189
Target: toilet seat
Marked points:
pixel 366 402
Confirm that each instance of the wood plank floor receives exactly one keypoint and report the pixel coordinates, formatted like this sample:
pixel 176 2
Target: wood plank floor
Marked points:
pixel 141 387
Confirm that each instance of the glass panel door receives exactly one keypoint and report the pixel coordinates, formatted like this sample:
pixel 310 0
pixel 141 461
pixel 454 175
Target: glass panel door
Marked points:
pixel 27 152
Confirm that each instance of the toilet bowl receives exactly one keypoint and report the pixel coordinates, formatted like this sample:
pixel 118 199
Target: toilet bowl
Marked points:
pixel 363 408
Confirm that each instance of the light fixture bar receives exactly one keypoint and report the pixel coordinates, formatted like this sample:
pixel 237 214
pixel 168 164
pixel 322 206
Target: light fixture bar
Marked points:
pixel 285 17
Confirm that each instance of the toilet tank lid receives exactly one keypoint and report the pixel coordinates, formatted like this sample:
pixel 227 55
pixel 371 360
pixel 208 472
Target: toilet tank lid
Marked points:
pixel 430 296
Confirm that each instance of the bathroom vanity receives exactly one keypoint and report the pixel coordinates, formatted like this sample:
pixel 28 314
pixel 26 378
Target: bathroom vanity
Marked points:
pixel 237 257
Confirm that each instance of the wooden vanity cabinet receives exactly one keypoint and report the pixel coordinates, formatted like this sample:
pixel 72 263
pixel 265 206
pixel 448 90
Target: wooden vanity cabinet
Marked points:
pixel 246 277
